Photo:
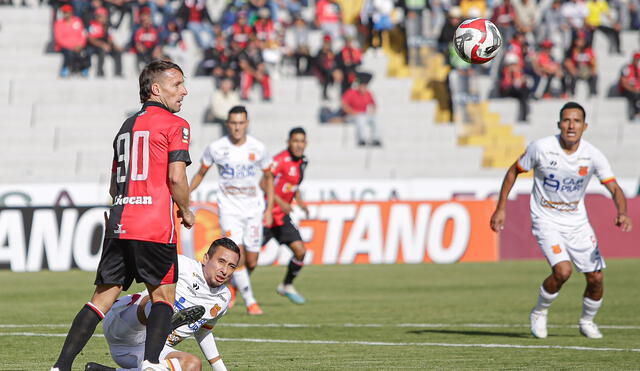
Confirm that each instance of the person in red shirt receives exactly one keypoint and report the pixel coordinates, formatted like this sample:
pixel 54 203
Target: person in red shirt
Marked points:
pixel 253 69
pixel 349 59
pixel 580 64
pixel 288 169
pixel 514 84
pixel 630 87
pixel 148 176
pixel 329 18
pixel 241 32
pixel 358 103
pixel 263 28
pixel 326 67
pixel 146 39
pixel 194 16
pixel 101 42
pixel 70 39
pixel 550 69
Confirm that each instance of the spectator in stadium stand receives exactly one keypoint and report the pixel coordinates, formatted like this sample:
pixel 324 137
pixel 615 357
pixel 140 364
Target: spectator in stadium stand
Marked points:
pixel 359 105
pixel 414 10
pixel 329 18
pixel 71 39
pixel 263 27
pixel 454 17
pixel 381 19
pixel 140 234
pixel 505 18
pixel 326 66
pixel 297 45
pixel 559 218
pixel 222 100
pixel 193 15
pixel 241 31
pixel 171 40
pixel 553 26
pixel 253 69
pixel 604 19
pixel 146 39
pixel 349 59
pixel 101 43
pixel 514 84
pixel 629 87
pixel 527 13
pixel 580 64
pixel 550 69
pixel 87 14
pixel 575 12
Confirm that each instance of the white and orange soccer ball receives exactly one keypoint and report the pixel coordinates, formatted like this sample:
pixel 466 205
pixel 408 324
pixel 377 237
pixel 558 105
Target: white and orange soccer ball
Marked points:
pixel 477 40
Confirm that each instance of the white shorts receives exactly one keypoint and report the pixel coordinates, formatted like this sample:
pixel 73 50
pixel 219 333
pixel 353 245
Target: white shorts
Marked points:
pixel 243 230
pixel 578 245
pixel 127 356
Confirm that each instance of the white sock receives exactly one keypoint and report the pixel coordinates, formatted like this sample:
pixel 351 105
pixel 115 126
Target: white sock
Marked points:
pixel 242 282
pixel 544 300
pixel 589 308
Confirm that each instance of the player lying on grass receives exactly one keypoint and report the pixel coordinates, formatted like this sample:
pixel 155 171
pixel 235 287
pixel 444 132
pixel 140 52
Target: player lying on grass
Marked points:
pixel 201 284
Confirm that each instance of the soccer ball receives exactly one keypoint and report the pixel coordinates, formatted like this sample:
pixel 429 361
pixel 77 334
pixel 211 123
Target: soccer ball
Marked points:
pixel 477 40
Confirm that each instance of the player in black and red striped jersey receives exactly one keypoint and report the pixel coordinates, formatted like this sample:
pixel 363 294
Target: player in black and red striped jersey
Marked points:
pixel 288 169
pixel 151 153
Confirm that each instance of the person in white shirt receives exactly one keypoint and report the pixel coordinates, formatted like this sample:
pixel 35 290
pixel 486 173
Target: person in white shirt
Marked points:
pixel 199 285
pixel 242 163
pixel 563 165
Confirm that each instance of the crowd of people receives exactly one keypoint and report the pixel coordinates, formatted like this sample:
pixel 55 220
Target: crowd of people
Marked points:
pixel 548 44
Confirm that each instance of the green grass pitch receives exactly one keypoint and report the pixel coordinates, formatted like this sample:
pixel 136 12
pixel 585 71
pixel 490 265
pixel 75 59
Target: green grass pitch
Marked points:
pixel 377 317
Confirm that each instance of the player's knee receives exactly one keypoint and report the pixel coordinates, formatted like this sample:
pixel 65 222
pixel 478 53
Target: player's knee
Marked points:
pixel 562 272
pixel 191 363
pixel 251 265
pixel 594 279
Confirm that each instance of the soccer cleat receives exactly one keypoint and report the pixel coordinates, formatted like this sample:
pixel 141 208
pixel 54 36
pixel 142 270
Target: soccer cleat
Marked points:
pixel 291 293
pixel 234 293
pixel 254 310
pixel 186 316
pixel 92 366
pixel 590 330
pixel 148 366
pixel 538 324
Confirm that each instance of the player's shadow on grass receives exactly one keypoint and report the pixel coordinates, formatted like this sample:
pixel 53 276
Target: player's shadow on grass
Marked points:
pixel 470 333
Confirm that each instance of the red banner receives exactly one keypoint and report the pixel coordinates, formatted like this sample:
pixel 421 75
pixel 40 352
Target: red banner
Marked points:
pixel 375 233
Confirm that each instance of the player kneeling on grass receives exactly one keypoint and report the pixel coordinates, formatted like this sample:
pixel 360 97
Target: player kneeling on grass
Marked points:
pixel 199 284
pixel 562 167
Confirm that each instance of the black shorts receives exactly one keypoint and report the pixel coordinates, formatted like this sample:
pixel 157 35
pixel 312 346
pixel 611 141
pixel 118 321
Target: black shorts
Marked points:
pixel 149 262
pixel 284 234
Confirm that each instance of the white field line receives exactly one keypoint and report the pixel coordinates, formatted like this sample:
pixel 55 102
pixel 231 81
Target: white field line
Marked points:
pixel 376 343
pixel 374 325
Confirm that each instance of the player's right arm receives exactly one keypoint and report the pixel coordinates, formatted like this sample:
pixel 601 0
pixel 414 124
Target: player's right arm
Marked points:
pixel 499 215
pixel 197 179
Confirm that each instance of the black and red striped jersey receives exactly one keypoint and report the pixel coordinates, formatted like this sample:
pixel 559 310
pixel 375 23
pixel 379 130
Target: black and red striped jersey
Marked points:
pixel 144 147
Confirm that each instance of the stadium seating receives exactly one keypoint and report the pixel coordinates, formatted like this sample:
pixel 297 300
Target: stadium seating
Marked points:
pixel 61 130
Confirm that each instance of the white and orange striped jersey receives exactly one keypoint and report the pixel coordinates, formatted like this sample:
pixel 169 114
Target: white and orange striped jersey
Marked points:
pixel 560 179
pixel 240 169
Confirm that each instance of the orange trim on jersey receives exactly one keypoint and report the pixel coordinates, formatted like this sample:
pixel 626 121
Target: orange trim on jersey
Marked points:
pixel 208 327
pixel 608 180
pixel 170 364
pixel 203 165
pixel 520 169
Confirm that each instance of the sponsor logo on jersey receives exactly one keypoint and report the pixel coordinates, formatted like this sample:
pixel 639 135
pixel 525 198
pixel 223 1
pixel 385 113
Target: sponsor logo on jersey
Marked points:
pixel 252 156
pixel 119 230
pixel 133 200
pixel 220 296
pixel 195 286
pixel 583 170
pixel 550 183
pixel 560 206
pixel 292 171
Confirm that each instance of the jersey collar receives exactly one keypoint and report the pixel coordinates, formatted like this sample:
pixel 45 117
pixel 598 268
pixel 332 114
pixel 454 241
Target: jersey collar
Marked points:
pixel 294 158
pixel 154 104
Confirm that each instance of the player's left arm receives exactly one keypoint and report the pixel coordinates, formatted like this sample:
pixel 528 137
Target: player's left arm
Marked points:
pixel 207 344
pixel 301 203
pixel 622 219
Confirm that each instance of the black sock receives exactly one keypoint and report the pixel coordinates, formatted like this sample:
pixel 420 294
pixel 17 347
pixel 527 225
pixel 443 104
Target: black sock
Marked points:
pixel 292 270
pixel 79 334
pixel 158 328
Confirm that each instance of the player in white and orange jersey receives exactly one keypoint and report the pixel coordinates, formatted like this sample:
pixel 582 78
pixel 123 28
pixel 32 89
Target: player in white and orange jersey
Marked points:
pixel 199 284
pixel 242 163
pixel 563 165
